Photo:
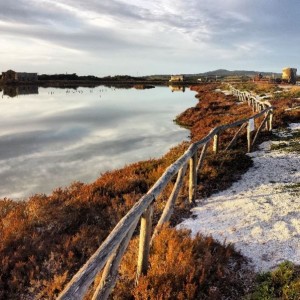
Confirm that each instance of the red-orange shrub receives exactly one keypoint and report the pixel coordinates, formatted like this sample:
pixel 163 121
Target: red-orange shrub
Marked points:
pixel 182 267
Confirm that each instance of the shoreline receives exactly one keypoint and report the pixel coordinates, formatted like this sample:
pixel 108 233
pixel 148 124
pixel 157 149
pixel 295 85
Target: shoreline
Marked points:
pixel 95 83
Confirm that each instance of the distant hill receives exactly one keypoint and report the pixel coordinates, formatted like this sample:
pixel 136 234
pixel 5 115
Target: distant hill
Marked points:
pixel 223 72
pixel 219 73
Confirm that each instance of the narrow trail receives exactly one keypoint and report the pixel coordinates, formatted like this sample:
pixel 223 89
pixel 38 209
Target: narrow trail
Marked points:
pixel 259 214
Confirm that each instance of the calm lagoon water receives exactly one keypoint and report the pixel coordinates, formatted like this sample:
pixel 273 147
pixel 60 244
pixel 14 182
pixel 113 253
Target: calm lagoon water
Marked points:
pixel 58 136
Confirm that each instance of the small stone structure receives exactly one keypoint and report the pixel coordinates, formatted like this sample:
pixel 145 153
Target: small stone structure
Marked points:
pixel 289 75
pixel 177 78
pixel 14 77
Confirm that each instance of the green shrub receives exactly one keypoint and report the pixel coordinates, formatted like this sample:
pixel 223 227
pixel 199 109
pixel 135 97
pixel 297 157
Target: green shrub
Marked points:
pixel 282 283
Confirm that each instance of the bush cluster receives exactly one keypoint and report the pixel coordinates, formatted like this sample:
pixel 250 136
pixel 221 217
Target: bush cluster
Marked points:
pixel 182 267
pixel 282 283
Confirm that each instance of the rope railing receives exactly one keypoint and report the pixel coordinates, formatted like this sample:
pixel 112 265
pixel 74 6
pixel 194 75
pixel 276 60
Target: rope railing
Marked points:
pixel 108 256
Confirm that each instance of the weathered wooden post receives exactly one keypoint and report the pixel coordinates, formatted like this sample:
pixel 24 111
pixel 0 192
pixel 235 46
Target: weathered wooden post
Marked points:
pixel 253 105
pixel 202 156
pixel 216 143
pixel 193 178
pixel 267 114
pixel 144 243
pixel 250 128
pixel 168 210
pixel 110 272
pixel 249 101
pixel 265 121
pixel 233 141
pixel 271 120
pixel 244 97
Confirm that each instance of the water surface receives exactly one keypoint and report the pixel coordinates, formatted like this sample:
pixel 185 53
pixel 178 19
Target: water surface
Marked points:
pixel 58 136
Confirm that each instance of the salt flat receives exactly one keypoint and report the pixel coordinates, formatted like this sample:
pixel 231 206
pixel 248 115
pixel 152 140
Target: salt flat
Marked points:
pixel 259 214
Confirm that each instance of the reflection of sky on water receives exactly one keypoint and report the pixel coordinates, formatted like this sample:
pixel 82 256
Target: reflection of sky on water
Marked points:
pixel 59 136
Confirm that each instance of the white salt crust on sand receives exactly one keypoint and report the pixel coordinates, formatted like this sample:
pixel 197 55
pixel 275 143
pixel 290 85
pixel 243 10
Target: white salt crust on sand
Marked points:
pixel 259 214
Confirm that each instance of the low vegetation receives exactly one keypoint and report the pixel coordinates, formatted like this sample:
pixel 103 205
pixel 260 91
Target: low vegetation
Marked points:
pixel 293 189
pixel 47 238
pixel 284 98
pixel 282 283
pixel 286 140
pixel 259 88
pixel 184 268
pixel 213 109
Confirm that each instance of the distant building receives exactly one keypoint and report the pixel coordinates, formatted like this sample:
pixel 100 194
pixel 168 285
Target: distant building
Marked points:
pixel 177 78
pixel 289 75
pixel 11 76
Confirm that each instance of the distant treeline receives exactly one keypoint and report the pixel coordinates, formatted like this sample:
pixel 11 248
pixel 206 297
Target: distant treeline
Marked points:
pixel 74 76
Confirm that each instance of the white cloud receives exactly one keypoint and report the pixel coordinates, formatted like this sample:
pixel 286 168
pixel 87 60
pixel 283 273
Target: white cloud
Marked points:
pixel 119 33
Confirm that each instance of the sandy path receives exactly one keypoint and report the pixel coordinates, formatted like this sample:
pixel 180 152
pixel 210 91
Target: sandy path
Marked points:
pixel 260 214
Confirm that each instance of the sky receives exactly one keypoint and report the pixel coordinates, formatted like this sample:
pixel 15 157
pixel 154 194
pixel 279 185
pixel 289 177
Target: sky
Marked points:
pixel 142 37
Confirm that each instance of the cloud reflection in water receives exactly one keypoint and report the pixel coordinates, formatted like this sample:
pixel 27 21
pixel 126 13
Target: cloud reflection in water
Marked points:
pixel 57 137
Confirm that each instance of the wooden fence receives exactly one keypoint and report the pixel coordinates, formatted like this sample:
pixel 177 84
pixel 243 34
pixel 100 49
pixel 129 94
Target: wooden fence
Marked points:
pixel 110 253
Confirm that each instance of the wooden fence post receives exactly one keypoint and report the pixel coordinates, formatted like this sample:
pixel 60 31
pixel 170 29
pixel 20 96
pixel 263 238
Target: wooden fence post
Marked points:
pixel 265 120
pixel 267 123
pixel 202 156
pixel 249 136
pixel 216 143
pixel 271 121
pixel 252 104
pixel 144 243
pixel 233 141
pixel 193 178
pixel 110 272
pixel 168 210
